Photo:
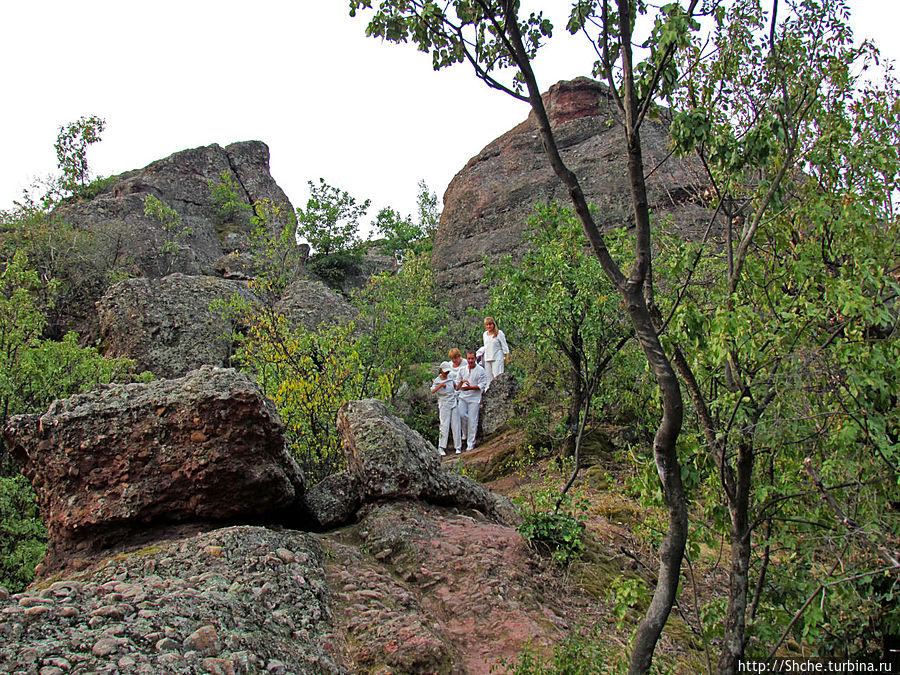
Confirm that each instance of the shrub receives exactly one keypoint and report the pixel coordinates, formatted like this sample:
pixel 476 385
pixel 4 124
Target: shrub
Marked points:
pixel 23 537
pixel 552 522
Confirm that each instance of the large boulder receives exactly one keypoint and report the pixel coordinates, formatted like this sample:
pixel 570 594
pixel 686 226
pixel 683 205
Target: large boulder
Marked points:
pixel 489 202
pixel 388 460
pixel 309 303
pixel 167 325
pixel 498 404
pixel 120 459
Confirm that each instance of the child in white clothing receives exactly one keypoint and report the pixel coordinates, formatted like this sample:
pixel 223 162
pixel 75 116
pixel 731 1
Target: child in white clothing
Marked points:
pixel 444 387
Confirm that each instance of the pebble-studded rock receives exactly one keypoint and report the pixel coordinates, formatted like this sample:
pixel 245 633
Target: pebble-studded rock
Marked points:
pixel 231 601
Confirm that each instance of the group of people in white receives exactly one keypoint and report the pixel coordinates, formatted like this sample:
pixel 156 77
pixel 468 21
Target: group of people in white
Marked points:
pixel 461 382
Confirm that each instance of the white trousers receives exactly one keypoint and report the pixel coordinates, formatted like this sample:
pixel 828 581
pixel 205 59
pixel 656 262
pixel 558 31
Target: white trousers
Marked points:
pixel 492 369
pixel 449 421
pixel 468 420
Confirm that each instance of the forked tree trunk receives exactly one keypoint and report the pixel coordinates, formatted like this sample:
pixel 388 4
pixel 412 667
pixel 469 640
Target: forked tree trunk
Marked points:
pixel 632 290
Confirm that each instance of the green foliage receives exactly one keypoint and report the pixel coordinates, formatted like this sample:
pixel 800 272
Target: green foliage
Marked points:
pixel 402 314
pixel 309 375
pixel 229 204
pixel 36 371
pixel 791 334
pixel 71 151
pixel 175 234
pixel 23 537
pixel 274 248
pixel 557 530
pixel 402 233
pixel 399 232
pixel 627 595
pixel 427 210
pixel 330 223
pixel 451 31
pixel 558 302
pixel 404 326
pixel 95 187
pixel 583 652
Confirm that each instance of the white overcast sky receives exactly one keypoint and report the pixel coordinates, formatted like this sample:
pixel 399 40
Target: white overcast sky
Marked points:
pixel 371 118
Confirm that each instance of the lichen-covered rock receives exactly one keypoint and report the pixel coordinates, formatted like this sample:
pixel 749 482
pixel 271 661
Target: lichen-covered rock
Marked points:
pixel 309 303
pixel 334 500
pixel 489 202
pixel 167 325
pixel 498 404
pixel 388 460
pixel 431 591
pixel 124 458
pixel 234 600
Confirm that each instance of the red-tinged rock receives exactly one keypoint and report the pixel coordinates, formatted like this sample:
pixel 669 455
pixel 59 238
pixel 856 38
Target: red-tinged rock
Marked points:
pixel 240 472
pixel 488 204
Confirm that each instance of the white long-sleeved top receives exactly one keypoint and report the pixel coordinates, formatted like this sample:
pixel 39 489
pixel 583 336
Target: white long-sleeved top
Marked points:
pixel 445 390
pixel 495 348
pixel 476 378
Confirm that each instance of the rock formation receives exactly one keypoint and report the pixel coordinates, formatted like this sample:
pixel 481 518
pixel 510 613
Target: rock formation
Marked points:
pixel 388 460
pixel 309 303
pixel 121 459
pixel 124 241
pixel 498 404
pixel 489 202
pixel 428 577
pixel 183 181
pixel 167 325
pixel 236 600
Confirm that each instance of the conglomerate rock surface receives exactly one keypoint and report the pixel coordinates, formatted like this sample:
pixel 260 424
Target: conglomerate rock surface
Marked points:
pixel 488 204
pixel 121 459
pixel 237 600
pixel 425 589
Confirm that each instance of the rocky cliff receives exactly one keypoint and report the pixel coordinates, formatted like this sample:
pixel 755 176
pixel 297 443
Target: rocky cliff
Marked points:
pixel 126 242
pixel 489 202
pixel 159 312
pixel 184 182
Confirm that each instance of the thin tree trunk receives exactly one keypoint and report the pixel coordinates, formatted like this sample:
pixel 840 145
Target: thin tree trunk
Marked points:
pixel 672 549
pixel 739 573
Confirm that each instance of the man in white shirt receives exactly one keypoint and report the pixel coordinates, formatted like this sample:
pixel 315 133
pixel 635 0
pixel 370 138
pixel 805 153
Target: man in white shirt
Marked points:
pixel 471 384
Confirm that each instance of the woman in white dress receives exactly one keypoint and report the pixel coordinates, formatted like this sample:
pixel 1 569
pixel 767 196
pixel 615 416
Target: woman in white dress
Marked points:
pixel 496 351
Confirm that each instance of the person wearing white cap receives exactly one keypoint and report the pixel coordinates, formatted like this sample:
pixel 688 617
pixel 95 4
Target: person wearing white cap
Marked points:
pixel 471 384
pixel 444 387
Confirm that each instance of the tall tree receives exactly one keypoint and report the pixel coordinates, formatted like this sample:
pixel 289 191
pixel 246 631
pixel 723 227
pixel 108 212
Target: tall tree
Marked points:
pixel 492 36
pixel 801 159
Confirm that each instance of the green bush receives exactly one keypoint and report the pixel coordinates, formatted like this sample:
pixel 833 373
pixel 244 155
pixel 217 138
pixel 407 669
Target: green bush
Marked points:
pixel 554 523
pixel 581 653
pixel 23 537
